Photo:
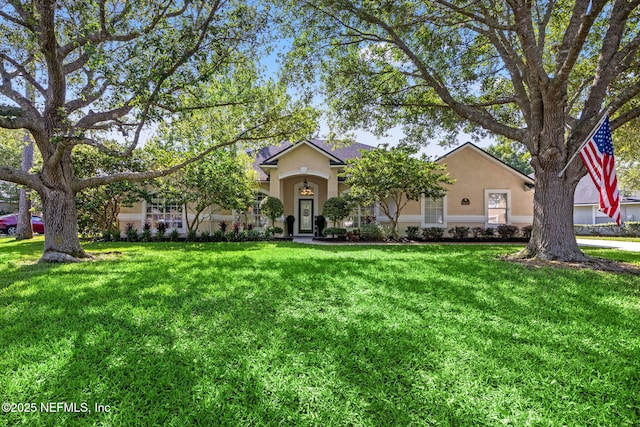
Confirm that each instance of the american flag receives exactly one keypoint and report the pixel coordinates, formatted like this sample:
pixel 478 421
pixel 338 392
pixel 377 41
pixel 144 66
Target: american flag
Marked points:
pixel 597 156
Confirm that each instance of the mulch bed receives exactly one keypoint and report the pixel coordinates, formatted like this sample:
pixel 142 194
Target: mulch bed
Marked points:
pixel 598 264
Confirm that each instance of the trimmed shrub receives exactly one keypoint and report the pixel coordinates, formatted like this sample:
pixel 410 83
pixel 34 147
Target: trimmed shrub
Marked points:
pixel 477 232
pixel 433 233
pixel 336 209
pixel 373 232
pixel 272 208
pixel 507 231
pixel 631 228
pixel 205 236
pixel 459 232
pixel 272 231
pixel 526 231
pixel 605 229
pixel 254 235
pixel 335 231
pixel 489 232
pixel 131 233
pixel 192 236
pixel 412 232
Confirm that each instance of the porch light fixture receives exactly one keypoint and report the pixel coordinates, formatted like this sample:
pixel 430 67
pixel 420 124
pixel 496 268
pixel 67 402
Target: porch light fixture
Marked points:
pixel 305 190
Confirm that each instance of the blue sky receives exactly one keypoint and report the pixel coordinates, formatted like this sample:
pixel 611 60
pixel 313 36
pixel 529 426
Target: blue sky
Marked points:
pixel 271 65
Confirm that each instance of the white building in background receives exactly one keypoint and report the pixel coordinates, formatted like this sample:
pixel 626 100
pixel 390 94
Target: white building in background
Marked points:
pixel 586 202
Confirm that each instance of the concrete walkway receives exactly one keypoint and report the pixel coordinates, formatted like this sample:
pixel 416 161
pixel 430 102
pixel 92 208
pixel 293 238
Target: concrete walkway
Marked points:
pixel 613 244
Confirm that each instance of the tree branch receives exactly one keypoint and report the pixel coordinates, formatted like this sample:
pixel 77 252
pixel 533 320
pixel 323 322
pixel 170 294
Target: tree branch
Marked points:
pixel 625 117
pixel 86 97
pixel 22 70
pixel 92 118
pixel 18 177
pixel 574 38
pixel 608 61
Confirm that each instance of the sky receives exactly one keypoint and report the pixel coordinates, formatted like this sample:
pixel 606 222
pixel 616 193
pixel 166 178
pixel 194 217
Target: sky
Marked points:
pixel 271 64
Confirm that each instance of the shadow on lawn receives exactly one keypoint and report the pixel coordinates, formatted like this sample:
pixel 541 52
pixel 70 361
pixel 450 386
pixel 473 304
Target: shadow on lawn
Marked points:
pixel 311 339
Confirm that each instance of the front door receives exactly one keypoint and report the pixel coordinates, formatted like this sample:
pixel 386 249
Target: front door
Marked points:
pixel 305 211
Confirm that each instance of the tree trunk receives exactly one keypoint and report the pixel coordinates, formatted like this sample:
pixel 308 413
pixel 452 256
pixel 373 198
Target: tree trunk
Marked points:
pixel 61 242
pixel 553 236
pixel 24 228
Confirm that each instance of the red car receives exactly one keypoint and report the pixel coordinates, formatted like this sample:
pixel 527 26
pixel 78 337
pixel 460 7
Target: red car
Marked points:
pixel 8 224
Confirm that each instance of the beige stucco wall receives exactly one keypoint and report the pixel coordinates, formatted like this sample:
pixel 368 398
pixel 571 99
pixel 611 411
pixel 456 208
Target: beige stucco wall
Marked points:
pixel 474 173
pixel 303 156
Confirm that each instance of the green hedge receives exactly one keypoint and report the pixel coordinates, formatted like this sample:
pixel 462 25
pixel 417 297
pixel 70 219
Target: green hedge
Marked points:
pixel 630 228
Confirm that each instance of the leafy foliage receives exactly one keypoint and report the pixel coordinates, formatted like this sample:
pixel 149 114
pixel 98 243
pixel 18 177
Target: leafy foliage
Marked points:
pixel 512 153
pixel 541 73
pixel 391 177
pixel 98 67
pixel 272 208
pixel 506 231
pixel 11 145
pixel 627 146
pixel 459 232
pixel 222 180
pixel 98 207
pixel 336 209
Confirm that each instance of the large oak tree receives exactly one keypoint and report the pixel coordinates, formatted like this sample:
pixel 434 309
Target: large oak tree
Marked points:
pixel 542 73
pixel 111 66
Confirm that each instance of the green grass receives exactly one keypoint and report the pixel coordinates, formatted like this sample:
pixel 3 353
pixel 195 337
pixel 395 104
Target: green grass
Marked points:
pixel 286 334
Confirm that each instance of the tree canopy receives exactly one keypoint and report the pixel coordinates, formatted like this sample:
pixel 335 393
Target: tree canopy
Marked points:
pixel 542 73
pixel 98 69
pixel 272 208
pixel 336 209
pixel 512 153
pixel 393 176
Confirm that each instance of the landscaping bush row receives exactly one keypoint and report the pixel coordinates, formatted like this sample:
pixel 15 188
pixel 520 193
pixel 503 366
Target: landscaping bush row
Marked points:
pixel 367 233
pixel 630 229
pixel 378 233
pixel 462 232
pixel 236 234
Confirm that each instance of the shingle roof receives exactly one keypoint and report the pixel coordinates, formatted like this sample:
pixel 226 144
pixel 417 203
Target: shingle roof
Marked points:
pixel 342 154
pixel 587 193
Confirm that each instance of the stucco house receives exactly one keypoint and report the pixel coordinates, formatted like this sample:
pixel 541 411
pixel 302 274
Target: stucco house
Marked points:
pixel 586 203
pixel 486 192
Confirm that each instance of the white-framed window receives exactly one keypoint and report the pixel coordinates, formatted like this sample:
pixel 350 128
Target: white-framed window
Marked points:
pixel 361 215
pixel 433 211
pixel 498 206
pixel 256 217
pixel 164 210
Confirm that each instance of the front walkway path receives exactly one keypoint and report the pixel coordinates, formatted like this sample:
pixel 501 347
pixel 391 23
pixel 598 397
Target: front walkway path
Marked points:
pixel 613 244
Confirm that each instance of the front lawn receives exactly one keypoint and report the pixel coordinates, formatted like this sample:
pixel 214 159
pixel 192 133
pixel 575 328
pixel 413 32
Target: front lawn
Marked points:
pixel 288 334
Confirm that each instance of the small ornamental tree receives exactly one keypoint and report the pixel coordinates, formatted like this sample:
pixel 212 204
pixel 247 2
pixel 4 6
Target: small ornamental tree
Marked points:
pixel 392 177
pixel 336 209
pixel 272 207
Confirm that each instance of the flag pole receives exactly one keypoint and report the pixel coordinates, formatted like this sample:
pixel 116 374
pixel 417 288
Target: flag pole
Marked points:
pixel 583 144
